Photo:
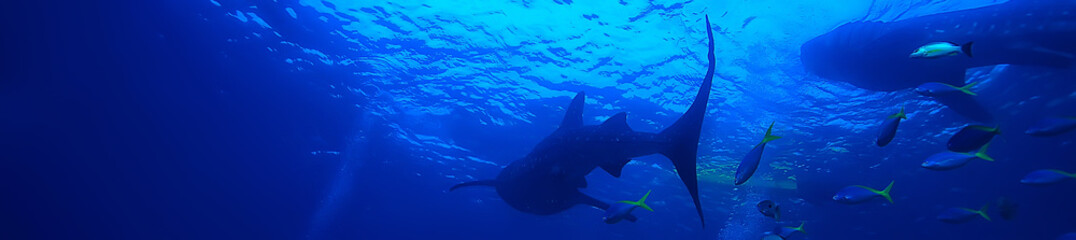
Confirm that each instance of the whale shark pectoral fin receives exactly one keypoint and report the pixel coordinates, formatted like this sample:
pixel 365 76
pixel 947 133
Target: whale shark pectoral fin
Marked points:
pixel 615 167
pixel 490 183
pixel 584 199
pixel 618 122
pixel 573 117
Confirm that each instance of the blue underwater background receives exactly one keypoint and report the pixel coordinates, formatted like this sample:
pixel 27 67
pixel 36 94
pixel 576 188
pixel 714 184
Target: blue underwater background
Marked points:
pixel 334 119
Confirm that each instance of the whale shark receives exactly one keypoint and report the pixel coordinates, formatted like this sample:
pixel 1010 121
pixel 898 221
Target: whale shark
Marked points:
pixel 875 55
pixel 547 180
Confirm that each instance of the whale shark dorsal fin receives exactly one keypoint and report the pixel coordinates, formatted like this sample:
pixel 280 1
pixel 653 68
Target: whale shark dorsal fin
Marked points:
pixel 617 122
pixel 573 117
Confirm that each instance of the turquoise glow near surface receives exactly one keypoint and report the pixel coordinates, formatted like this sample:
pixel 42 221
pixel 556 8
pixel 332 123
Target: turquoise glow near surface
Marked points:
pixel 506 66
pixel 290 119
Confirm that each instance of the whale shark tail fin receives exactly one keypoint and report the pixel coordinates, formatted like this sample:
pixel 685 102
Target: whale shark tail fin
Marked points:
pixel 966 48
pixel 683 135
pixel 490 183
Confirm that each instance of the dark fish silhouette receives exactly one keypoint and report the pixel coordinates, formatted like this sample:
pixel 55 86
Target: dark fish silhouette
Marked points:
pixel 1052 126
pixel 889 128
pixel 958 99
pixel 770 209
pixel 856 194
pixel 748 21
pixel 1046 177
pixel 971 137
pixel 547 180
pixel 750 162
pixel 962 215
pixel 953 160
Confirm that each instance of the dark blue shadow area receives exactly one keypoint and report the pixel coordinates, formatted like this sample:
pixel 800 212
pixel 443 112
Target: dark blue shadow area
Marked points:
pixel 129 120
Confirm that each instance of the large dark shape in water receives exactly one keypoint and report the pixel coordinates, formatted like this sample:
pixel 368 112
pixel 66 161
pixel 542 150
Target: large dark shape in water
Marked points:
pixel 971 138
pixel 874 55
pixel 547 180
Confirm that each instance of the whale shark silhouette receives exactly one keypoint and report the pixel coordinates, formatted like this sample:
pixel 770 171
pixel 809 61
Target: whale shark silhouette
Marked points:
pixel 874 55
pixel 547 180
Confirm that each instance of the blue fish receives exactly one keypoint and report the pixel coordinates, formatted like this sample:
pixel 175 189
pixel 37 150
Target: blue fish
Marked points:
pixel 936 89
pixel 962 215
pixel 750 162
pixel 889 128
pixel 954 160
pixel 1046 176
pixel 622 210
pixel 1052 126
pixel 972 137
pixel 785 232
pixel 859 194
pixel 958 99
pixel 769 209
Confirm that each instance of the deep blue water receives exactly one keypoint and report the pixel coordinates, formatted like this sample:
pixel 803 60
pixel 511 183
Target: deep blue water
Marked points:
pixel 351 119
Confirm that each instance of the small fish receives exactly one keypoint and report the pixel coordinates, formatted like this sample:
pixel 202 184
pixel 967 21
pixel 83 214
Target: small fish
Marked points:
pixel 747 21
pixel 972 137
pixel 1007 208
pixel 962 215
pixel 1046 176
pixel 770 209
pixel 941 49
pixel 954 160
pixel 859 194
pixel 889 128
pixel 622 210
pixel 785 232
pixel 936 89
pixel 1052 126
pixel 750 162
